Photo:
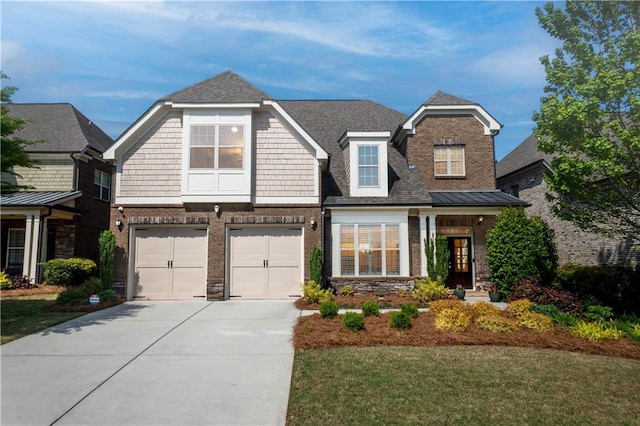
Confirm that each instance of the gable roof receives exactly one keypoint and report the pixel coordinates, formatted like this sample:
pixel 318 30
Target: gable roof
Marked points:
pixel 227 87
pixel 523 155
pixel 442 98
pixel 61 126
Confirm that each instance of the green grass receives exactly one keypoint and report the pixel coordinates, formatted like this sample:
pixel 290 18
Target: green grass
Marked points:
pixel 21 316
pixel 461 385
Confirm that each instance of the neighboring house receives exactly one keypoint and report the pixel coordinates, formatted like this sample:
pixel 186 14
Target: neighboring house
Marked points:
pixel 68 204
pixel 222 191
pixel 521 173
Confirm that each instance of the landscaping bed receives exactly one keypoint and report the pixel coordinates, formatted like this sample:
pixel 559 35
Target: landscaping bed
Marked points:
pixel 312 332
pixel 355 301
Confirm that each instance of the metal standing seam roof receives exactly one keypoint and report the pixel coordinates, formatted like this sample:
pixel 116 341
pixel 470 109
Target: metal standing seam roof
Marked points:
pixel 475 198
pixel 35 199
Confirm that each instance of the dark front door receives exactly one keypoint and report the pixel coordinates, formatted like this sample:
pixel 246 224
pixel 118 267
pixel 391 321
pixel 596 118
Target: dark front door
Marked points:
pixel 460 264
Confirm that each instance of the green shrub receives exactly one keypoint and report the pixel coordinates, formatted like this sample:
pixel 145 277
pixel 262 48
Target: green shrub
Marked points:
pixel 329 309
pixel 482 308
pixel 313 293
pixel 347 290
pixel 353 321
pixel 107 296
pixel 79 295
pixel 69 272
pixel 5 282
pixel 529 288
pixel 410 309
pixel 426 290
pixel 438 265
pixel 519 307
pixel 630 329
pixel 106 257
pixel 400 319
pixel 369 307
pixel 452 320
pixel 596 331
pixel 496 323
pixel 315 264
pixel 535 321
pixel 556 315
pixel 596 312
pixel 519 246
pixel 439 305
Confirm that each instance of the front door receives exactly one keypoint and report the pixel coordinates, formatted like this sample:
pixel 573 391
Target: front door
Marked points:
pixel 460 264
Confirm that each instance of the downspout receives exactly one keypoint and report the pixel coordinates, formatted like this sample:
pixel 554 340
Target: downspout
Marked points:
pixel 43 225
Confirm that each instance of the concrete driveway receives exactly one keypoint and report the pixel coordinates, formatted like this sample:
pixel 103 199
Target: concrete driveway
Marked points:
pixel 155 363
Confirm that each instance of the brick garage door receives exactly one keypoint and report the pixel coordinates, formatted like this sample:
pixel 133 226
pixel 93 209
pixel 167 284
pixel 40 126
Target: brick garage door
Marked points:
pixel 265 263
pixel 170 263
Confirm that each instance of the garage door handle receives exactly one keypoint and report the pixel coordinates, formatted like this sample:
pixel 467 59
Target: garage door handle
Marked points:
pixel 168 264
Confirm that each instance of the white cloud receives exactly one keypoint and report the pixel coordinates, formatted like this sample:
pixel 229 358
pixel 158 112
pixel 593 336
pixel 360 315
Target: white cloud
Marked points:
pixel 519 64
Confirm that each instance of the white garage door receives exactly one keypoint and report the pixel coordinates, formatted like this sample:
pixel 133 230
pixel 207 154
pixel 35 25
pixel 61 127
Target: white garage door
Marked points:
pixel 170 263
pixel 265 263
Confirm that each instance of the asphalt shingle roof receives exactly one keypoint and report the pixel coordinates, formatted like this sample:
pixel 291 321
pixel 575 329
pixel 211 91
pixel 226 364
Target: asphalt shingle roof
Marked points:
pixel 442 98
pixel 61 126
pixel 522 156
pixel 227 87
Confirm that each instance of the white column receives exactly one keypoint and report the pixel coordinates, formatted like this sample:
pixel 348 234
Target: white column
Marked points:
pixel 423 237
pixel 31 237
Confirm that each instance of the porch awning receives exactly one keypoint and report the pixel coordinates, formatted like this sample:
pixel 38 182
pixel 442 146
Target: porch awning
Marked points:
pixel 475 198
pixel 37 198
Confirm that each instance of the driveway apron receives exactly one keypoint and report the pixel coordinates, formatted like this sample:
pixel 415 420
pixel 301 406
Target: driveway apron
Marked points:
pixel 155 363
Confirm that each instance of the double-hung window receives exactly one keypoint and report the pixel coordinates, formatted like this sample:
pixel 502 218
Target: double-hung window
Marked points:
pixel 449 160
pixel 369 249
pixel 368 166
pixel 15 248
pixel 101 185
pixel 216 147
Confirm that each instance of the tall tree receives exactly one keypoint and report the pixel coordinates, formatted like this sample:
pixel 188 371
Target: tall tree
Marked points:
pixel 13 151
pixel 589 117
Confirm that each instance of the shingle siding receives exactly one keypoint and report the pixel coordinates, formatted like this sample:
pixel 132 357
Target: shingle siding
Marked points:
pixel 50 175
pixel 283 166
pixel 153 165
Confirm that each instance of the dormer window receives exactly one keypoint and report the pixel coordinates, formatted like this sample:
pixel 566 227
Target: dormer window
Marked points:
pixel 365 155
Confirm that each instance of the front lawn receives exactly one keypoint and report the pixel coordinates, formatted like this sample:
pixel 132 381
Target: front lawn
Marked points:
pixel 21 316
pixel 461 385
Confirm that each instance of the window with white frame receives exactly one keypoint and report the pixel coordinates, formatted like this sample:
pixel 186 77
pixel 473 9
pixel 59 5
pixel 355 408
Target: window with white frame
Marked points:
pixel 449 160
pixel 101 185
pixel 368 166
pixel 15 248
pixel 216 147
pixel 370 249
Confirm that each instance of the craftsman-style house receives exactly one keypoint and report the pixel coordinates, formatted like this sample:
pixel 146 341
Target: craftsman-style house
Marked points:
pixel 67 203
pixel 222 191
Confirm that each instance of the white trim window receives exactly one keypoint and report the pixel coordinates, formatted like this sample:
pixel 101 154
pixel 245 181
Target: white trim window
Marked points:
pixel 216 147
pixel 368 166
pixel 370 249
pixel 449 160
pixel 101 185
pixel 15 248
pixel 367 163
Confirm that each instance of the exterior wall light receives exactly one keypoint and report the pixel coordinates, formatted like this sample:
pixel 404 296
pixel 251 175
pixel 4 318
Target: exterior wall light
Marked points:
pixel 216 210
pixel 312 222
pixel 119 224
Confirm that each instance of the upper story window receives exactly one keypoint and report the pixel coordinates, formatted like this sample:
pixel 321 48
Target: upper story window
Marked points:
pixel 368 166
pixel 101 185
pixel 216 147
pixel 449 160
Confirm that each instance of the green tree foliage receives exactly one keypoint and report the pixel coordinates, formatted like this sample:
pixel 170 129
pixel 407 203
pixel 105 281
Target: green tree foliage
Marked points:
pixel 589 117
pixel 438 265
pixel 519 247
pixel 107 250
pixel 13 148
pixel 315 265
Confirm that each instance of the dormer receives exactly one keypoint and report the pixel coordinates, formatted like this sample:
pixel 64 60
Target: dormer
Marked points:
pixel 365 156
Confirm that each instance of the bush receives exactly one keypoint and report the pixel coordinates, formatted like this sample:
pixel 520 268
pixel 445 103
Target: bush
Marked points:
pixel 519 307
pixel 442 304
pixel 106 257
pixel 370 307
pixel 107 296
pixel 629 328
pixel 614 286
pixel 595 331
pixel 79 295
pixel 410 309
pixel 72 271
pixel 20 281
pixel 596 312
pixel 313 293
pixel 347 290
pixel 400 319
pixel 496 323
pixel 353 321
pixel 427 290
pixel 5 282
pixel 519 246
pixel 540 295
pixel 556 315
pixel 315 264
pixel 437 266
pixel 452 320
pixel 534 321
pixel 481 308
pixel 329 309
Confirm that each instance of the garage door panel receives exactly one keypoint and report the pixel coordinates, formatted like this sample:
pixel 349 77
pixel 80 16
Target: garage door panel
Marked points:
pixel 283 282
pixel 187 283
pixel 248 282
pixel 152 282
pixel 189 247
pixel 285 248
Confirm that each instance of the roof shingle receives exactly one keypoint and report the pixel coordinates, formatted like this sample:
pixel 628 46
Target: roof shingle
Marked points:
pixel 227 87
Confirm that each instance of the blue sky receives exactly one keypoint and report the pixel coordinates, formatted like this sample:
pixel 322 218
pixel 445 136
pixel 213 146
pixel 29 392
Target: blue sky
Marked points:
pixel 113 59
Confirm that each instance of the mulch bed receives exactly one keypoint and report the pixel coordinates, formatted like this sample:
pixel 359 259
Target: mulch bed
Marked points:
pixel 33 291
pixel 314 332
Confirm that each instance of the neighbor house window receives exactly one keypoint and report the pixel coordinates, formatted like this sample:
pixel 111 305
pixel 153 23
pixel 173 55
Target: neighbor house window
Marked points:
pixel 15 248
pixel 370 250
pixel 101 185
pixel 449 160
pixel 216 147
pixel 515 190
pixel 368 166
